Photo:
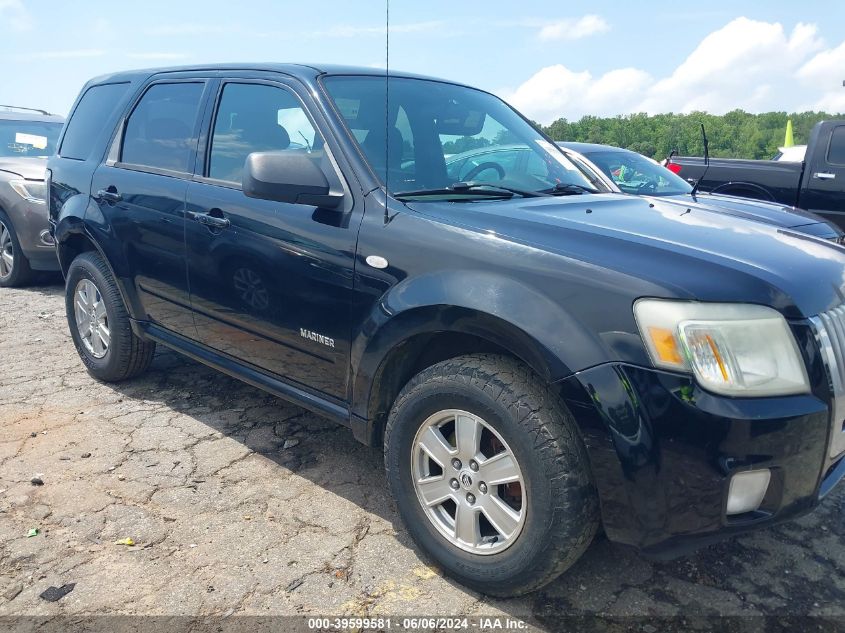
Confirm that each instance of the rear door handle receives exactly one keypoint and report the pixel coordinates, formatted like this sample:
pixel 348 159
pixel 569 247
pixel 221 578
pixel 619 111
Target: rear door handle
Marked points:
pixel 210 220
pixel 824 175
pixel 109 195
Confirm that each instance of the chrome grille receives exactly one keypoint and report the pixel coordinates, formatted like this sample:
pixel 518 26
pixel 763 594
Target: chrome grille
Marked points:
pixel 830 333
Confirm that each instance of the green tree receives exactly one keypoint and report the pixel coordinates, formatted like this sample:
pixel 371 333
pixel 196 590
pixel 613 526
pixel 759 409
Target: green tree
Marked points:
pixel 736 134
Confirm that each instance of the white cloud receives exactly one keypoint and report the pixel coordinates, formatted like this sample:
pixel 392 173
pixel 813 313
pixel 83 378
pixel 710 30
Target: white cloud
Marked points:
pixel 748 64
pixel 66 54
pixel 15 14
pixel 169 30
pixel 157 56
pixel 573 28
pixel 557 91
pixel 827 68
pixel 342 30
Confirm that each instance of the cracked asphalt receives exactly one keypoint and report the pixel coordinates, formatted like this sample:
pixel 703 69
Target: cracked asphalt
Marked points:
pixel 240 503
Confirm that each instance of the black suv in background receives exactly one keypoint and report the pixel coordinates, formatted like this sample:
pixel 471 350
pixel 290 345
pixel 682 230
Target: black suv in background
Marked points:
pixel 27 138
pixel 533 357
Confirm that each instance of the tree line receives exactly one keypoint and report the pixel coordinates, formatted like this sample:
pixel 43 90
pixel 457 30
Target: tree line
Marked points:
pixel 737 134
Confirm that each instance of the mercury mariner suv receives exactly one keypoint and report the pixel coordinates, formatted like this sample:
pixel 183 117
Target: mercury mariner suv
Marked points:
pixel 534 358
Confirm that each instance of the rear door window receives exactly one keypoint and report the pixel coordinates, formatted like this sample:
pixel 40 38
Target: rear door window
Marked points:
pixel 161 131
pixel 86 123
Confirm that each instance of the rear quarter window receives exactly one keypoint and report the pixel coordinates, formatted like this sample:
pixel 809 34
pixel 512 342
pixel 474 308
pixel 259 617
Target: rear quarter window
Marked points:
pixel 836 150
pixel 86 123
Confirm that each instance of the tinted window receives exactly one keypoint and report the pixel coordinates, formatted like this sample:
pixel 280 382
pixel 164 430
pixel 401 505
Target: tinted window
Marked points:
pixel 28 138
pixel 160 130
pixel 437 132
pixel 86 123
pixel 836 152
pixel 257 118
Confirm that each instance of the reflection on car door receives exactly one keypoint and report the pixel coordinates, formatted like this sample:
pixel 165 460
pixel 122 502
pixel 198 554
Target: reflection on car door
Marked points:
pixel 142 191
pixel 271 283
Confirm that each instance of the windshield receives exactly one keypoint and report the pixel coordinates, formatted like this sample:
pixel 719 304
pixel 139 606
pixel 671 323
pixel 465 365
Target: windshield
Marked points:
pixel 634 173
pixel 28 138
pixel 432 135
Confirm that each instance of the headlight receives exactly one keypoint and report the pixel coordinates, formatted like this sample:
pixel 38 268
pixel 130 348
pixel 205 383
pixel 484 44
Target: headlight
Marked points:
pixel 30 190
pixel 732 349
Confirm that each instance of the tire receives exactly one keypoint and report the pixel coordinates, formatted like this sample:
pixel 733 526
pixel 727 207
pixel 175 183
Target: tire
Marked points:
pixel 125 355
pixel 14 269
pixel 558 508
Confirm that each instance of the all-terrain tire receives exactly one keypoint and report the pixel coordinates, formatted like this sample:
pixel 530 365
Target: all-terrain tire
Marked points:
pixel 562 505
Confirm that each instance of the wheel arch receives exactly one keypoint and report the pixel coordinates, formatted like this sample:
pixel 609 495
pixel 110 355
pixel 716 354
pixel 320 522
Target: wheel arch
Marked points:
pixel 401 338
pixel 754 190
pixel 72 239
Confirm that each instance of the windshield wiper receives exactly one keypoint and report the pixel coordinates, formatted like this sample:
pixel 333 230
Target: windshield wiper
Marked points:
pixel 568 189
pixel 475 186
pixel 478 188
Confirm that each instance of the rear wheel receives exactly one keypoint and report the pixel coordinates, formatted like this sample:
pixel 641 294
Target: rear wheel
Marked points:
pixel 99 323
pixel 490 474
pixel 14 266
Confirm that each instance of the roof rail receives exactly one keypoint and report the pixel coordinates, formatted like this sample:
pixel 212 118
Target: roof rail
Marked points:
pixel 11 107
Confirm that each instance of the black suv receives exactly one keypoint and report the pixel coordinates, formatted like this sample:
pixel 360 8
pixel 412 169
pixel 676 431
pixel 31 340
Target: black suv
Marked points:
pixel 535 358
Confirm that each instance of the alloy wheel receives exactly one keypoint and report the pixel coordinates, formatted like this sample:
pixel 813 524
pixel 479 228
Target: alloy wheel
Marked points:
pixel 92 321
pixel 468 482
pixel 7 252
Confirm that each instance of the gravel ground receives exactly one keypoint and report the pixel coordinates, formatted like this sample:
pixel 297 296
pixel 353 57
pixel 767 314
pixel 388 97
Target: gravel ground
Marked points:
pixel 239 503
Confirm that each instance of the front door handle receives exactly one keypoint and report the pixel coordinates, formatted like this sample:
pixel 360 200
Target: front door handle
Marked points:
pixel 213 221
pixel 824 175
pixel 109 195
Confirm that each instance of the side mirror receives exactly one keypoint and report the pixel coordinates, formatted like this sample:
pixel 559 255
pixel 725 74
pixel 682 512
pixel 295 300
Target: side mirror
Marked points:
pixel 288 176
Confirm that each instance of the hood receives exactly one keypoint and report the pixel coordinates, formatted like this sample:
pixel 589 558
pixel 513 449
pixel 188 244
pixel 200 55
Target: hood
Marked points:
pixel 28 168
pixel 769 212
pixel 690 251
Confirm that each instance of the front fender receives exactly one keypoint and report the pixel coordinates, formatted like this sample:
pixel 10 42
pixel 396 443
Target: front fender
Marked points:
pixel 494 308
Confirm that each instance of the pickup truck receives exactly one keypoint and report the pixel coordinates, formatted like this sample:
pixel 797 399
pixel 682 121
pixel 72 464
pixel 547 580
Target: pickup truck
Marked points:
pixel 816 184
pixel 534 359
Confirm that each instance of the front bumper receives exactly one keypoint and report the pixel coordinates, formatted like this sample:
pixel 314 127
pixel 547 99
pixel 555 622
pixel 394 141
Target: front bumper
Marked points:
pixel 663 452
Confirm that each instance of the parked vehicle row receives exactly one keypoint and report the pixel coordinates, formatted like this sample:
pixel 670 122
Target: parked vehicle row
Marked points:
pixel 635 174
pixel 535 353
pixel 816 182
pixel 27 138
pixel 616 170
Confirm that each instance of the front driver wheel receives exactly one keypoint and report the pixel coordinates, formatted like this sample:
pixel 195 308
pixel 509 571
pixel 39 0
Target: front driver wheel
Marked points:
pixel 490 474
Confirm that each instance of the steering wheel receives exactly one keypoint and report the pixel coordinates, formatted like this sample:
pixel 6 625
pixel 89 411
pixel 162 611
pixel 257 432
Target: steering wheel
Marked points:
pixel 647 187
pixel 482 167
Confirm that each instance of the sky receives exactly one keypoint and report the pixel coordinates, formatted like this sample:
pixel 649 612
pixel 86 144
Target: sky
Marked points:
pixel 549 59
